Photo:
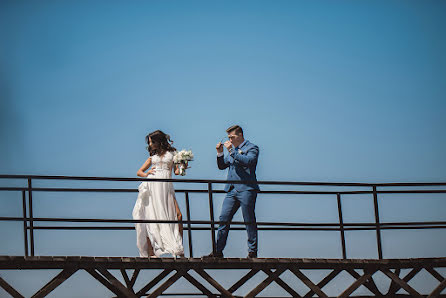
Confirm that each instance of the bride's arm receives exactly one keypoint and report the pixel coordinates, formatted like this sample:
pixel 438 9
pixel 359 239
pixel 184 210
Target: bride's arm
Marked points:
pixel 144 167
pixel 177 168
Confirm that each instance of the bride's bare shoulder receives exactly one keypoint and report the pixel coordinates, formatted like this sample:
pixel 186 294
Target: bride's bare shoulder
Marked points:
pixel 148 160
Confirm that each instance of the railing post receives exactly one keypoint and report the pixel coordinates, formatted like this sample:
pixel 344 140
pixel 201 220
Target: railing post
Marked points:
pixel 377 224
pixel 25 223
pixel 189 228
pixel 31 224
pixel 341 225
pixel 211 213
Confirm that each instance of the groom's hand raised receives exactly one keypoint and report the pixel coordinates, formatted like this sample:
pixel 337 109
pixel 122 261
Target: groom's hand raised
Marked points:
pixel 219 147
pixel 228 145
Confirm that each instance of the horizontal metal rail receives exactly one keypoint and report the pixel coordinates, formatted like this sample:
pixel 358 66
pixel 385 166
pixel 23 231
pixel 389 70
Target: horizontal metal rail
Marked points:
pixel 213 181
pixel 51 189
pixel 372 190
pixel 208 222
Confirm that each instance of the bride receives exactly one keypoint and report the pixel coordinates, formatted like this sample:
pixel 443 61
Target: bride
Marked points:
pixel 156 201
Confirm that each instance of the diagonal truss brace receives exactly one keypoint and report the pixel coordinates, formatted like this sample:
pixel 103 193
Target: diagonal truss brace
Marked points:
pixel 55 282
pixel 9 289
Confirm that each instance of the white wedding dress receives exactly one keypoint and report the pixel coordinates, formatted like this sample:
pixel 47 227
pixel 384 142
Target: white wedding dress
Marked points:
pixel 156 201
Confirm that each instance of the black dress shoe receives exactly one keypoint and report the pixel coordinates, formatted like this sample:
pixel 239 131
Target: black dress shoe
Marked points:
pixel 214 255
pixel 252 255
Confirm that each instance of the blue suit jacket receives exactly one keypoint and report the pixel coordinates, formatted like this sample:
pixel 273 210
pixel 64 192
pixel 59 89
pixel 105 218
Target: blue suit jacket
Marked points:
pixel 242 165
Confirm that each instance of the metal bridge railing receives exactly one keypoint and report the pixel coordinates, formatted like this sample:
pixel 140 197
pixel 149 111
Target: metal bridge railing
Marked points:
pixel 189 225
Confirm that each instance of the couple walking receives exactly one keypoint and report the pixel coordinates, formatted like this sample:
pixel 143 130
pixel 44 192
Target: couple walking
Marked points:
pixel 156 200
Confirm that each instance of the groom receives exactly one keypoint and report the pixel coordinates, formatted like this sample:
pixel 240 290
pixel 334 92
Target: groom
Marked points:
pixel 242 162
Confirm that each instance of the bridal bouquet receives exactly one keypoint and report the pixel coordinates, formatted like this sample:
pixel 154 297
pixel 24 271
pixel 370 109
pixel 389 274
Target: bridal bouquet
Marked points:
pixel 182 158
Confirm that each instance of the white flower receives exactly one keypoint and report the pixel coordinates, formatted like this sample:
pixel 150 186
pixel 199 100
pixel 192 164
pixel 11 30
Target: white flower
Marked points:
pixel 240 151
pixel 183 156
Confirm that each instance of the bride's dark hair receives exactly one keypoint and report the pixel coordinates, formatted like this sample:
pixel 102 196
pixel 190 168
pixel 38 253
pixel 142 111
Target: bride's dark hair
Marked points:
pixel 161 141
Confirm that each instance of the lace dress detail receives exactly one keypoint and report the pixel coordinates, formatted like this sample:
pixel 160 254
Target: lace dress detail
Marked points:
pixel 156 201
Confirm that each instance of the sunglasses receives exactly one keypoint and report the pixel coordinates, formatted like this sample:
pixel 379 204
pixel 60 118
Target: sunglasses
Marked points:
pixel 226 138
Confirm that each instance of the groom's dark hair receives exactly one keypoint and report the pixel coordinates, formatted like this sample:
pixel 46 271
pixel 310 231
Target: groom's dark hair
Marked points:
pixel 237 129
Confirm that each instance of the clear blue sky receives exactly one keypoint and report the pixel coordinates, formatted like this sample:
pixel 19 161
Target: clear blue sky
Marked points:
pixel 351 91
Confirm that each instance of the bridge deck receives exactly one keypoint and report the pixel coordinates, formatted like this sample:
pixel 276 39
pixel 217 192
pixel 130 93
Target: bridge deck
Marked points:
pixel 85 262
pixel 362 270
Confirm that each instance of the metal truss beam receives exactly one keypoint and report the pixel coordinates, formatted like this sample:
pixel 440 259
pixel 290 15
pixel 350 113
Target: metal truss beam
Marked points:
pixel 99 268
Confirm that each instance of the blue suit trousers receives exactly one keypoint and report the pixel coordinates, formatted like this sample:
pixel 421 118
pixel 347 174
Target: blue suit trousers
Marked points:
pixel 233 201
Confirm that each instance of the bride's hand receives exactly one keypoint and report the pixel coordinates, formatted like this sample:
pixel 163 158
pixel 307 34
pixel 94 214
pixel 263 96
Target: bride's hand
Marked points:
pixel 151 171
